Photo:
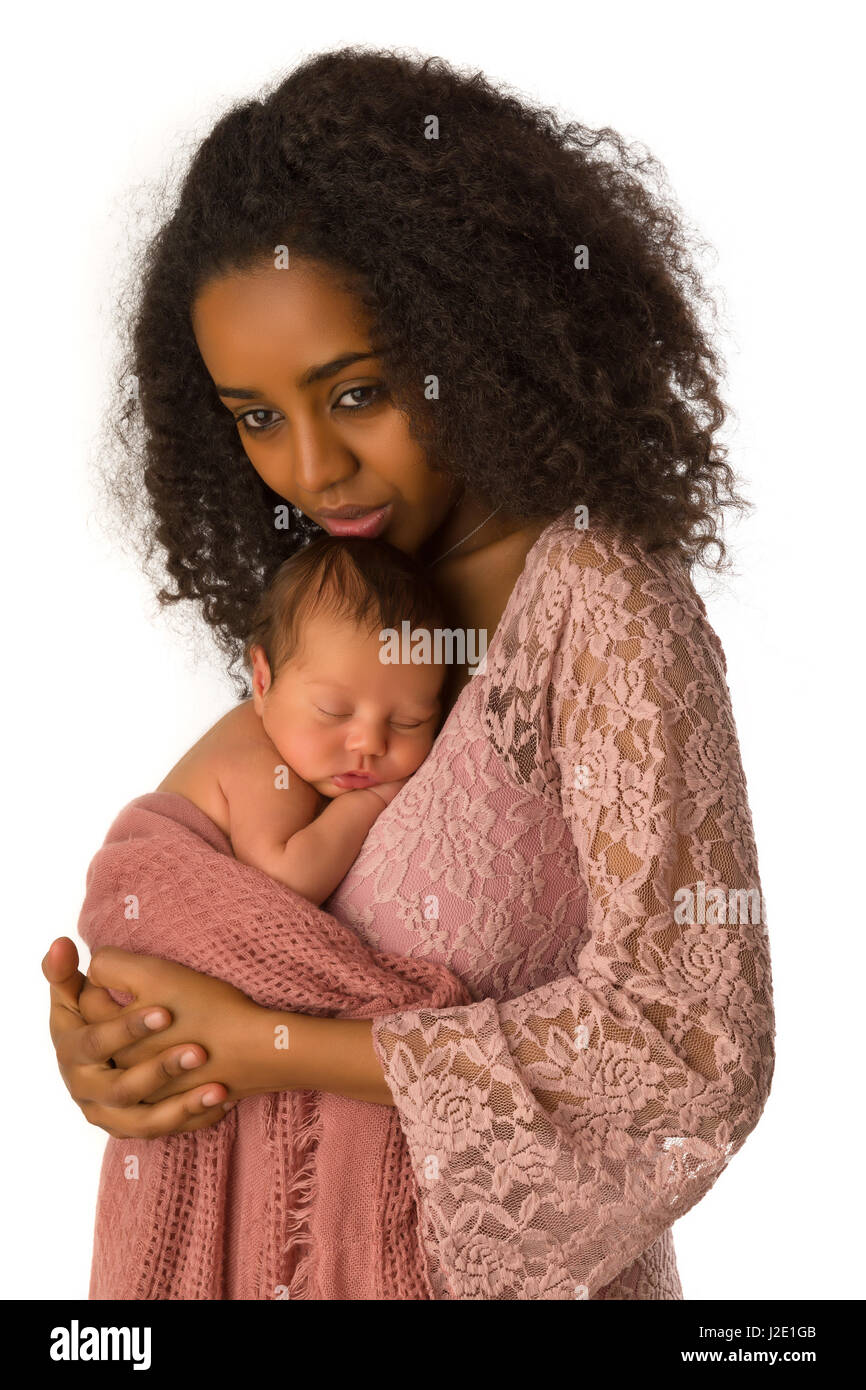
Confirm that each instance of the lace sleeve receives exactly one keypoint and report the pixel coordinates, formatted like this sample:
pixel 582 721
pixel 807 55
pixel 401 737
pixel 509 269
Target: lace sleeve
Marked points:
pixel 555 1136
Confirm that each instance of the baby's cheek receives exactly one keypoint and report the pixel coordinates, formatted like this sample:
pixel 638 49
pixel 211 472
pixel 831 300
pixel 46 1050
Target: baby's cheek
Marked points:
pixel 413 761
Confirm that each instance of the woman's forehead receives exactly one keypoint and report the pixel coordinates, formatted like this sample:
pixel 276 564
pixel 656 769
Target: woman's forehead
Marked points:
pixel 302 316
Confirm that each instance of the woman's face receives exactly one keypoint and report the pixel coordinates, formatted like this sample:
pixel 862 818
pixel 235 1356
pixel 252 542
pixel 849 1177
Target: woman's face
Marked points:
pixel 333 441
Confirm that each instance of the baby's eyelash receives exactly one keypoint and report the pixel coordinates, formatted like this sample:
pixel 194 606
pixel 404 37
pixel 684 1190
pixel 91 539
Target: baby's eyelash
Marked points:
pixel 330 715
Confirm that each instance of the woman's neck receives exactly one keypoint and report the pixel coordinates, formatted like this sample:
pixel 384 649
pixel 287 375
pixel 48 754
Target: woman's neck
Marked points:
pixel 480 581
pixel 476 586
pixel 471 524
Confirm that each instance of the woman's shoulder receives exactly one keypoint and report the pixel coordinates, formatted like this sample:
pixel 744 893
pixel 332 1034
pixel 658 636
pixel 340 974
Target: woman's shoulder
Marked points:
pixel 592 608
pixel 577 560
pixel 582 580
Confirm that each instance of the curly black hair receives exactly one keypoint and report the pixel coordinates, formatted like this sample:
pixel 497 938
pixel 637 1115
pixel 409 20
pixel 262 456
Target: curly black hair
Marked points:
pixel 562 383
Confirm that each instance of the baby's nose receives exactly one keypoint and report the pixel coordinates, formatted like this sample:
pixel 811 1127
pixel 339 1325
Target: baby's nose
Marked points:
pixel 368 739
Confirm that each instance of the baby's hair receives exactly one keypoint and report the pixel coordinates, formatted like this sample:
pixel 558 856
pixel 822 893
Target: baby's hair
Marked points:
pixel 369 582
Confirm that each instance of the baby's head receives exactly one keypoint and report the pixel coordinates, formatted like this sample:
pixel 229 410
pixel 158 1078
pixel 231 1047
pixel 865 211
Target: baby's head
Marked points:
pixel 326 699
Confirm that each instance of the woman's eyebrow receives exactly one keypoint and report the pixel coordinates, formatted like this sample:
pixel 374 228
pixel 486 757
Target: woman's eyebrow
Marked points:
pixel 319 373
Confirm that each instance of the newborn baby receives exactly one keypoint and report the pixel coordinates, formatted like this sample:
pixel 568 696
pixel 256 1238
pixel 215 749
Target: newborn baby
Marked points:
pixel 296 775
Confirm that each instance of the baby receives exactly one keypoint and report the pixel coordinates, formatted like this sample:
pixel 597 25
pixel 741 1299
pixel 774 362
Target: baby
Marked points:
pixel 296 776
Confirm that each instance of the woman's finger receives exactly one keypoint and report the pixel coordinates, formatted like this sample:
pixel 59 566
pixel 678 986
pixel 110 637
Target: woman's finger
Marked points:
pixel 178 1115
pixel 123 1089
pixel 80 1044
pixel 60 968
pixel 111 967
pixel 60 960
pixel 95 1004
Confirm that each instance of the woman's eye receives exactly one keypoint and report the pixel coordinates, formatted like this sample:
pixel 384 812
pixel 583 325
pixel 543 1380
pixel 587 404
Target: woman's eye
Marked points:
pixel 258 421
pixel 362 405
pixel 247 421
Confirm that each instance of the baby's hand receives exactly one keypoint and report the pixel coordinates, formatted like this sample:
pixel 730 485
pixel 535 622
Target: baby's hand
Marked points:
pixel 386 791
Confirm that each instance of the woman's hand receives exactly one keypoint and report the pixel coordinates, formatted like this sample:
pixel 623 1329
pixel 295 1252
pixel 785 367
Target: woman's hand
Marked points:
pixel 119 1100
pixel 219 1018
pixel 251 1049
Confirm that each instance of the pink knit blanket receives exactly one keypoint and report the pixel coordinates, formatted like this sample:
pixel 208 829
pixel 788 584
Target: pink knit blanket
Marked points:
pixel 259 1205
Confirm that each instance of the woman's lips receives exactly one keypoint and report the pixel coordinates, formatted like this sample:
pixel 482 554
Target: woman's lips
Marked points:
pixel 355 779
pixel 371 524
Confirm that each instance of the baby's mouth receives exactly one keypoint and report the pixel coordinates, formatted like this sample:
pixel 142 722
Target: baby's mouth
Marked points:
pixel 355 779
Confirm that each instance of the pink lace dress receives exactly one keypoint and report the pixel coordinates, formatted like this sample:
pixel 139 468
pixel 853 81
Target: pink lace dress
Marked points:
pixel 578 848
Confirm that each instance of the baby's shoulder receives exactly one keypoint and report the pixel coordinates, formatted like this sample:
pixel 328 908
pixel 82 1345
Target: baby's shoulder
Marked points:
pixel 237 740
pixel 200 774
pixel 238 746
pixel 241 728
pixel 266 800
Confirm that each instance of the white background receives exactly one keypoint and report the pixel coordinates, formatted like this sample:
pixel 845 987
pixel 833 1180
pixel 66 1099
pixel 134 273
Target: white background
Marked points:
pixel 751 109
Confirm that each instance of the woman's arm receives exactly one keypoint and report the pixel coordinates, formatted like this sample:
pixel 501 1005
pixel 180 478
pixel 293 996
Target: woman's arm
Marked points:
pixel 330 1054
pixel 250 1049
pixel 240 1048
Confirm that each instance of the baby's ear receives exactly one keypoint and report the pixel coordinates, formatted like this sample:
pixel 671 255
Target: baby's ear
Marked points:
pixel 261 675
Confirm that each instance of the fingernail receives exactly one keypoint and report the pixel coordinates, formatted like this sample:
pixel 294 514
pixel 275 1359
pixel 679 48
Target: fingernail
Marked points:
pixel 188 1059
pixel 210 1098
pixel 155 1019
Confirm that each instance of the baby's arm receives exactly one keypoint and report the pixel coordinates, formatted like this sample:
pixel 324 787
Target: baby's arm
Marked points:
pixel 314 860
pixel 277 829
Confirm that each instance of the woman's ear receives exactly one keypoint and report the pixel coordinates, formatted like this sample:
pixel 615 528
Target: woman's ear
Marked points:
pixel 261 677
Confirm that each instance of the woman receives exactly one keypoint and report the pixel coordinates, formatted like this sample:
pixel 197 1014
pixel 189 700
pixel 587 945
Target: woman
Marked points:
pixel 390 287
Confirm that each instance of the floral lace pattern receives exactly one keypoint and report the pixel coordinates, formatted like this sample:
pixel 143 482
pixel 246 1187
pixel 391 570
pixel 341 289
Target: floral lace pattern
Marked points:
pixel 578 847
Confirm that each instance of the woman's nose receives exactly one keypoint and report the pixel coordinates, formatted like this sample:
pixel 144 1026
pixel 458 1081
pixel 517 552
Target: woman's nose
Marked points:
pixel 317 460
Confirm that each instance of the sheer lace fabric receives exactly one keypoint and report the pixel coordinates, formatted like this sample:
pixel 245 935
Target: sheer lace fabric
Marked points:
pixel 578 847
